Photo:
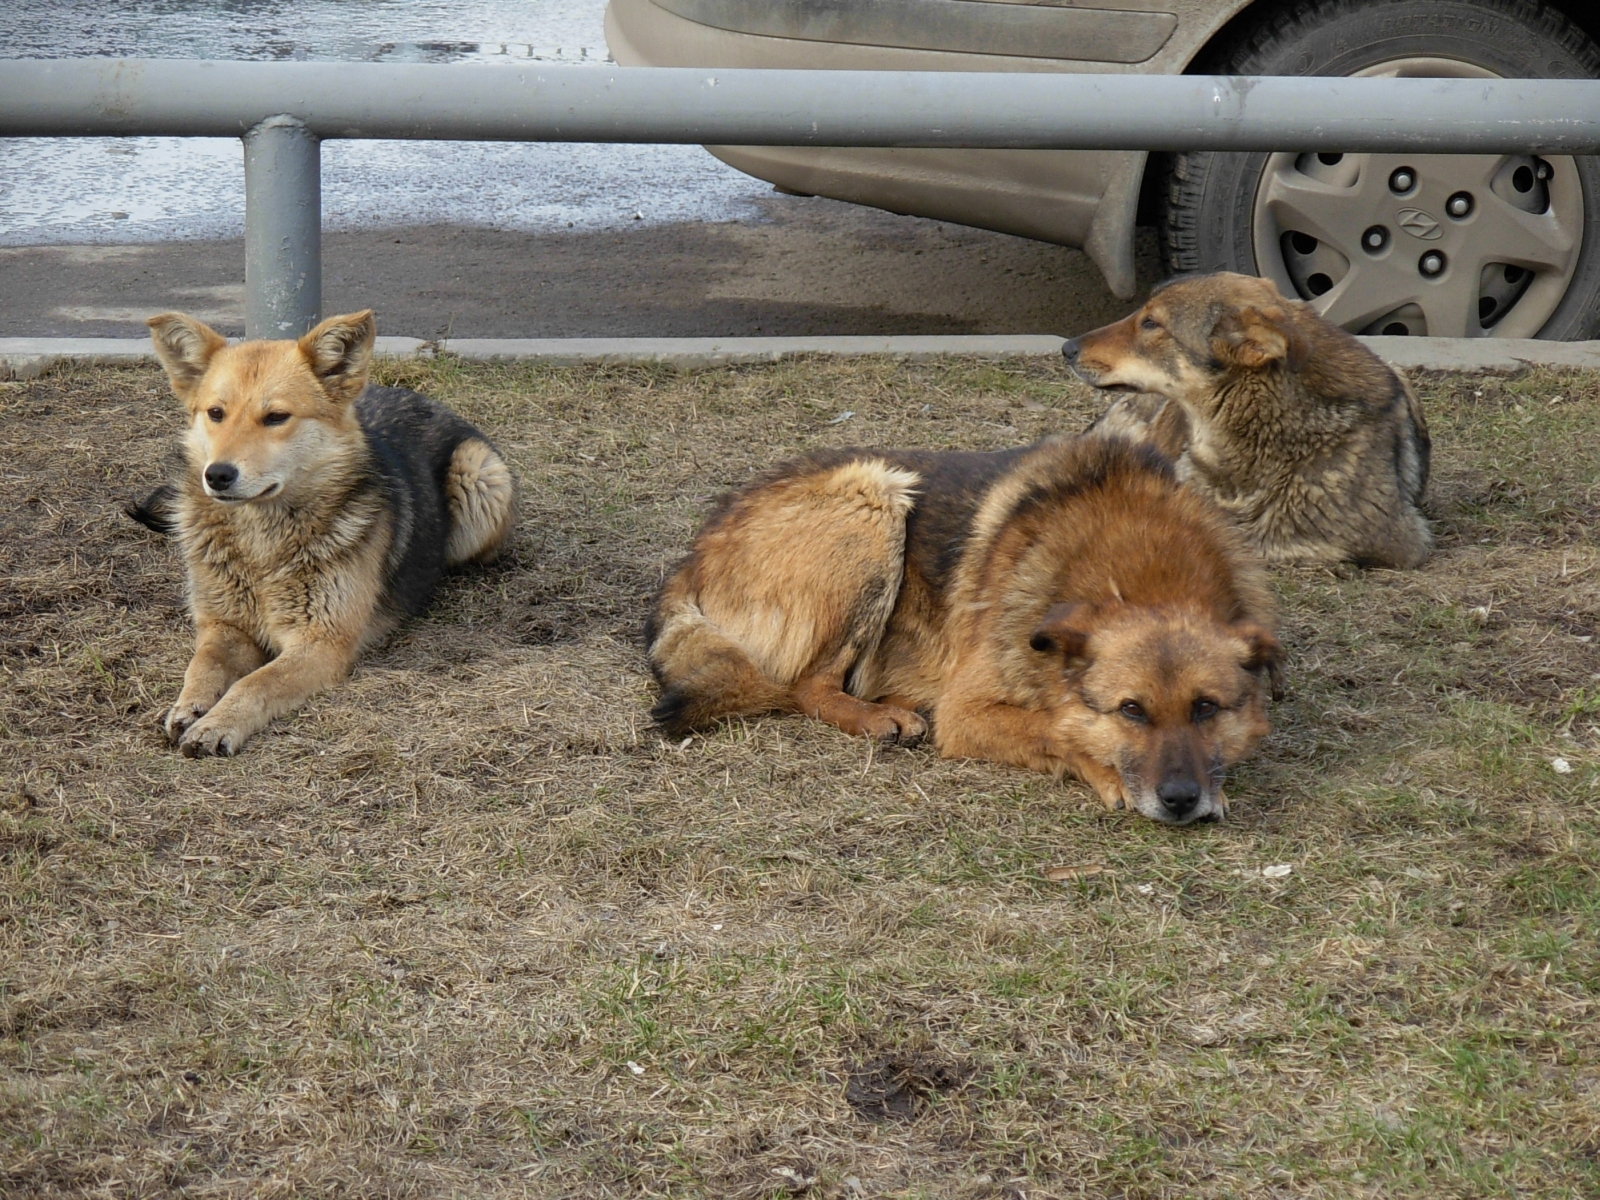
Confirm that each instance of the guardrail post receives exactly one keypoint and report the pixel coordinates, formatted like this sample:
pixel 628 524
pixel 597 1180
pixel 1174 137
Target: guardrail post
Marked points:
pixel 282 229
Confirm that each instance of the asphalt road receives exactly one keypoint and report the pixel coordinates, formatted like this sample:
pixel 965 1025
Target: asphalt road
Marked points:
pixel 797 266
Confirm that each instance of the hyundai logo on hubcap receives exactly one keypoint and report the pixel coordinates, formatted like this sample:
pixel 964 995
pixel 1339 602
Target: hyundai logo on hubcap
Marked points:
pixel 1418 224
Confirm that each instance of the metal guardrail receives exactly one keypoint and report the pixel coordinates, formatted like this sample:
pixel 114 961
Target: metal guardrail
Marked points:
pixel 282 111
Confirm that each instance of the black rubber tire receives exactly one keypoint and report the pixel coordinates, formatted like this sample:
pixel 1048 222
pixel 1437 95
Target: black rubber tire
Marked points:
pixel 1209 196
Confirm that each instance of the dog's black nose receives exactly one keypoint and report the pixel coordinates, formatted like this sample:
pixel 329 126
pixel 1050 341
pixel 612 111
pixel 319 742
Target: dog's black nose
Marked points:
pixel 1069 350
pixel 221 476
pixel 1179 796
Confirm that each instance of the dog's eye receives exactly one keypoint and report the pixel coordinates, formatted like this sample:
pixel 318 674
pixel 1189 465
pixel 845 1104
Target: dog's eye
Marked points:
pixel 275 418
pixel 1150 323
pixel 215 413
pixel 1204 710
pixel 1132 710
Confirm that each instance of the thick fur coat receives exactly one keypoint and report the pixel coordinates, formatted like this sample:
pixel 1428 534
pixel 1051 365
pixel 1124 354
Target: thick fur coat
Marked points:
pixel 1311 444
pixel 315 513
pixel 1066 607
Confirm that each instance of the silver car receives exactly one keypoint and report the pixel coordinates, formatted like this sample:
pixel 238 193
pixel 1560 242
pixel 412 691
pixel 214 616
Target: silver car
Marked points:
pixel 1458 246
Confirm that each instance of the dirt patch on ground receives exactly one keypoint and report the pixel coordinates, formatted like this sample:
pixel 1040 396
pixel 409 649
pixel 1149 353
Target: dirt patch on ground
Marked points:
pixel 899 1087
pixel 466 925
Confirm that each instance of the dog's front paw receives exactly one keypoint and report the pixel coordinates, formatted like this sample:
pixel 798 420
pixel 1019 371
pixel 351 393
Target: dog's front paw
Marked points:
pixel 210 736
pixel 183 715
pixel 896 726
pixel 1108 787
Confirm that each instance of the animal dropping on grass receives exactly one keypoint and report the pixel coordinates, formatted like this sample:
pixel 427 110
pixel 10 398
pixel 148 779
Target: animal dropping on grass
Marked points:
pixel 1066 874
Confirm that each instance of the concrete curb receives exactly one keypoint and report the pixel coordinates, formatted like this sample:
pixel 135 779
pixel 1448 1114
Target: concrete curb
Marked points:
pixel 1482 354
pixel 716 352
pixel 24 358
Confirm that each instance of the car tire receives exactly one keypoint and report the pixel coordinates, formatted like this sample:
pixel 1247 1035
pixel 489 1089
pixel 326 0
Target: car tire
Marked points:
pixel 1216 217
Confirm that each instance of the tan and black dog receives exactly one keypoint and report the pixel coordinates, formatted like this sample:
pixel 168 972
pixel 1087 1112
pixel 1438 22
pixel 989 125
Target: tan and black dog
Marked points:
pixel 1068 606
pixel 1313 445
pixel 315 513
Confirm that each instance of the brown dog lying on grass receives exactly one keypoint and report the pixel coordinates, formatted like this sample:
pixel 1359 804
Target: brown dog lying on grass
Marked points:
pixel 315 513
pixel 1067 606
pixel 1313 445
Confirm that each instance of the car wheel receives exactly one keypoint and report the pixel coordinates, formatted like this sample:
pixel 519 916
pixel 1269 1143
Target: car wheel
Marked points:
pixel 1443 245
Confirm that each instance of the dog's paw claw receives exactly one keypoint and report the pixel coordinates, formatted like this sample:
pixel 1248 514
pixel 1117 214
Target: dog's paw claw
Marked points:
pixel 181 719
pixel 909 730
pixel 1111 800
pixel 205 739
pixel 1111 795
pixel 895 727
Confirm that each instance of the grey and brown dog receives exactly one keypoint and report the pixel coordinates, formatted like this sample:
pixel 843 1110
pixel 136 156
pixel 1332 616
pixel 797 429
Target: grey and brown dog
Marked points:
pixel 315 512
pixel 1314 446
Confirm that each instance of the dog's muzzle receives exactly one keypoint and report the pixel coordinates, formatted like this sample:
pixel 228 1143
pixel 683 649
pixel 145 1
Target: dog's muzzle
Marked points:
pixel 1070 350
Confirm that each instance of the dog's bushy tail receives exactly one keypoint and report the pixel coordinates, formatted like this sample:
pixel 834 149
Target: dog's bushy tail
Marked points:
pixel 704 674
pixel 158 511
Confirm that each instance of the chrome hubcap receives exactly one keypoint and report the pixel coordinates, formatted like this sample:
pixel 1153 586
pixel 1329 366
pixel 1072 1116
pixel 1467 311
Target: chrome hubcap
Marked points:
pixel 1443 245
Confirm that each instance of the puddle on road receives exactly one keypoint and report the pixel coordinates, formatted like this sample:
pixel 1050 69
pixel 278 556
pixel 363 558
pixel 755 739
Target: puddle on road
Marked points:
pixel 343 30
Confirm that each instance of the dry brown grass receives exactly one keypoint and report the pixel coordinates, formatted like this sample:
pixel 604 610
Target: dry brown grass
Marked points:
pixel 466 926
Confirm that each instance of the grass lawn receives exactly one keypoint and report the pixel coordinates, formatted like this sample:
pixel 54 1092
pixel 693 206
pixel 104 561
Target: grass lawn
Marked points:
pixel 466 926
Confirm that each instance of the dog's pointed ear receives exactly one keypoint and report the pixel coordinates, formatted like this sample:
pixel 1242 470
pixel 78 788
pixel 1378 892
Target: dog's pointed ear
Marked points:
pixel 1065 630
pixel 1255 338
pixel 339 353
pixel 1263 652
pixel 185 347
